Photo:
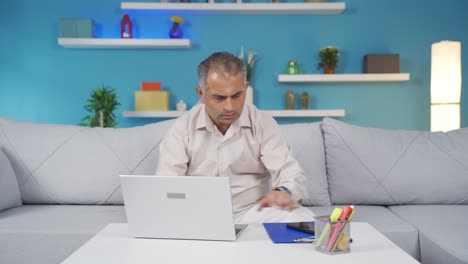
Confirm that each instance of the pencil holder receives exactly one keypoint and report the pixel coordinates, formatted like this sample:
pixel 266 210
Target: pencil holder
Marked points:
pixel 332 237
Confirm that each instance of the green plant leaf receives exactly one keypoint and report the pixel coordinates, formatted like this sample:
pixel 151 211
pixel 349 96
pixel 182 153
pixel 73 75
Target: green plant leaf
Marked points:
pixel 102 99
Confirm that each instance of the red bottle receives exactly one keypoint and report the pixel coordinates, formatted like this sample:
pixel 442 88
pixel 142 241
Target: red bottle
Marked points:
pixel 126 27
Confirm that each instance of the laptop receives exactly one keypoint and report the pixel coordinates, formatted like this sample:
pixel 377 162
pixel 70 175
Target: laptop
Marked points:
pixel 179 207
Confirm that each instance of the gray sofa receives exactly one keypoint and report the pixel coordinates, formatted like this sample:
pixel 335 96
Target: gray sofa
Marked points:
pixel 59 184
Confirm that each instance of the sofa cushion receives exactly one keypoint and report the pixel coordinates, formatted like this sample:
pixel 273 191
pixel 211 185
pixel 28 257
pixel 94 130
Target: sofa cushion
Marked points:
pixel 393 167
pixel 9 191
pixel 392 226
pixel 44 234
pixel 63 164
pixel 442 231
pixel 306 142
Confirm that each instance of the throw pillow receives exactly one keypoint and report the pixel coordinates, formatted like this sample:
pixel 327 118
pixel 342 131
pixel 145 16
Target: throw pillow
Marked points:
pixel 306 142
pixel 64 164
pixel 391 167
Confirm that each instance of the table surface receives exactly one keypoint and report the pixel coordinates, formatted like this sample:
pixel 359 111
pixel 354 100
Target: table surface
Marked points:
pixel 113 245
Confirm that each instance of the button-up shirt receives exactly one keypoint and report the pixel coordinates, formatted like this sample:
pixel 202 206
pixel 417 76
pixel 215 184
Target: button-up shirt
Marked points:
pixel 250 152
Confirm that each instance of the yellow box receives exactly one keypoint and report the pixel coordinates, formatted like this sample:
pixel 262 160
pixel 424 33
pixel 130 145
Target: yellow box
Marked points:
pixel 151 101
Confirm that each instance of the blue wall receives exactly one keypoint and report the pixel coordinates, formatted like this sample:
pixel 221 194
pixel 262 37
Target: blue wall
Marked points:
pixel 43 82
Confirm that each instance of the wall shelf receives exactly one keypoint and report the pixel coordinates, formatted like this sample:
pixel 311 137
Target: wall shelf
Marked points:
pixel 149 114
pixel 365 77
pixel 237 9
pixel 306 113
pixel 274 113
pixel 123 43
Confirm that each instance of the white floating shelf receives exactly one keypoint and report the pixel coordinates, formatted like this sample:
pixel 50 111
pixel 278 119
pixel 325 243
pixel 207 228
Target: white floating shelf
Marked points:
pixel 306 113
pixel 160 114
pixel 237 9
pixel 123 43
pixel 274 113
pixel 365 77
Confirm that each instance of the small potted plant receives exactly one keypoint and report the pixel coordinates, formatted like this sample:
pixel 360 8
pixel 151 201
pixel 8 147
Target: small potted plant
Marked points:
pixel 328 59
pixel 101 107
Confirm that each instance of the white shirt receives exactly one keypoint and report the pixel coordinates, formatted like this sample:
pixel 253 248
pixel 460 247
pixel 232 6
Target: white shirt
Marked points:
pixel 251 151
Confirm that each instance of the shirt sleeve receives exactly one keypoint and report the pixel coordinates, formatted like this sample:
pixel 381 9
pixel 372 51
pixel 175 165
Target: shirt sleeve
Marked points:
pixel 278 160
pixel 173 158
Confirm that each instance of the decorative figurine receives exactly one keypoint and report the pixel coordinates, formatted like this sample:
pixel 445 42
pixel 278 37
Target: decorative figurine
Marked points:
pixel 176 32
pixel 292 67
pixel 126 27
pixel 290 97
pixel 305 99
pixel 181 106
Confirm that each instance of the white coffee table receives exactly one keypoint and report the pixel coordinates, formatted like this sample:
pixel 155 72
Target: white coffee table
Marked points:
pixel 112 245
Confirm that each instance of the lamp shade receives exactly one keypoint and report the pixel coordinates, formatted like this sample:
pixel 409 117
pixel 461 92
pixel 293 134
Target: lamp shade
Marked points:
pixel 445 85
pixel 445 117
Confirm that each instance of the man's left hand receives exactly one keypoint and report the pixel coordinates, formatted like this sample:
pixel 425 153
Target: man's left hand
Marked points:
pixel 278 198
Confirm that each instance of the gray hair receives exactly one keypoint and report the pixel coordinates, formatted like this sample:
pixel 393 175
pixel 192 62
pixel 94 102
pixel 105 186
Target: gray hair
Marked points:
pixel 220 60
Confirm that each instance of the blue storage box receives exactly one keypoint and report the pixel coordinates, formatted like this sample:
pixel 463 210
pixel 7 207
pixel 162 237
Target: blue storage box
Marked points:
pixel 76 28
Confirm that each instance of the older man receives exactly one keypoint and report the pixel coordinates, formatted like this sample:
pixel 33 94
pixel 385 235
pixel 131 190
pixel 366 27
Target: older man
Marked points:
pixel 223 136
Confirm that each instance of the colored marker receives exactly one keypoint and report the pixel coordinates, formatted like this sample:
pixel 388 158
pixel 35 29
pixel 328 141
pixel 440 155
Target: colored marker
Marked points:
pixel 345 214
pixel 326 230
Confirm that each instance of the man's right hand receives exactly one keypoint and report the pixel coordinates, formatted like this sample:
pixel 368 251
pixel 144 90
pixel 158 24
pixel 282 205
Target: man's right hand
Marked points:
pixel 279 199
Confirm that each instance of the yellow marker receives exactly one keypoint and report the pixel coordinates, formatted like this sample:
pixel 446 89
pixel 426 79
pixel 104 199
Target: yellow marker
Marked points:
pixel 326 230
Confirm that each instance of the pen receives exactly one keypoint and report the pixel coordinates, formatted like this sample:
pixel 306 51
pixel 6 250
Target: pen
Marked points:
pixel 304 240
pixel 311 240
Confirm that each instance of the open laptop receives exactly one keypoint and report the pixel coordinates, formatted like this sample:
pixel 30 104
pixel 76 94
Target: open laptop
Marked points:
pixel 179 207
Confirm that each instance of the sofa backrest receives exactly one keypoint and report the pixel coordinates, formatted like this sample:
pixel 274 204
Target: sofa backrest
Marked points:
pixel 392 167
pixel 62 164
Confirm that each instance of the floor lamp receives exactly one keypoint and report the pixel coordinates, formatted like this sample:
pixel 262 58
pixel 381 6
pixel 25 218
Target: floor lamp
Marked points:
pixel 445 85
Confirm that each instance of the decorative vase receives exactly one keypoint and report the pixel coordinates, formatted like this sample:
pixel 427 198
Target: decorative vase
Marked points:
pixel 249 95
pixel 175 32
pixel 292 67
pixel 328 70
pixel 305 100
pixel 290 96
pixel 181 106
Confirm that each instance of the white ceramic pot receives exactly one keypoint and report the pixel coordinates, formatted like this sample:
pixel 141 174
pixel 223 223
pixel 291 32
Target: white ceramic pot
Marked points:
pixel 249 95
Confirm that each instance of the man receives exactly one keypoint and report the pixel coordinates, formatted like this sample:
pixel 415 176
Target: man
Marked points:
pixel 223 136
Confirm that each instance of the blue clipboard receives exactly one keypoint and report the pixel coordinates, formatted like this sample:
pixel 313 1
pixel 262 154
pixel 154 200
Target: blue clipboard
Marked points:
pixel 280 233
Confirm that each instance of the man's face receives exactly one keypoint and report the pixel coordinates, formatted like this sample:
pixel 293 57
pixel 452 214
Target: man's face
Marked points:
pixel 223 98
